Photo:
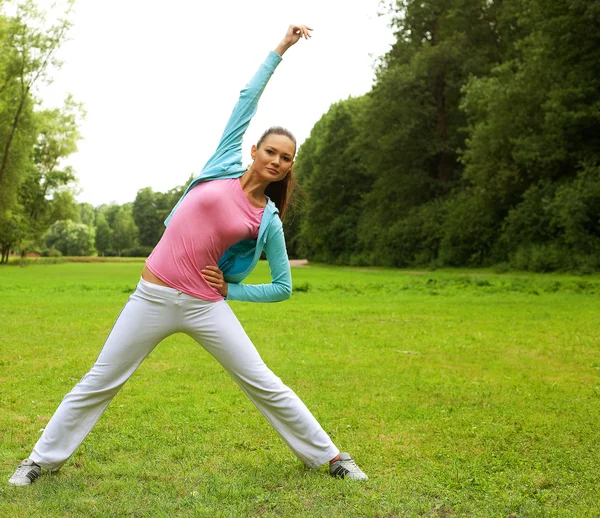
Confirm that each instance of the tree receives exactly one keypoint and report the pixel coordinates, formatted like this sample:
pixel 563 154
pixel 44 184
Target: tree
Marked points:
pixel 148 217
pixel 103 235
pixel 31 142
pixel 86 214
pixel 70 238
pixel 29 47
pixel 12 231
pixel 335 180
pixel 45 194
pixel 533 129
pixel 125 232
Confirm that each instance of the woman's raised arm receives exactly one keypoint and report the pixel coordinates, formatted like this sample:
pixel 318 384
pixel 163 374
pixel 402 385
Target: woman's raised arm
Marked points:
pixel 228 155
pixel 229 150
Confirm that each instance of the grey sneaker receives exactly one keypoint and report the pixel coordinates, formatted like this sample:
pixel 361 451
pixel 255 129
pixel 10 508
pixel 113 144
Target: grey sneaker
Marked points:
pixel 345 467
pixel 26 473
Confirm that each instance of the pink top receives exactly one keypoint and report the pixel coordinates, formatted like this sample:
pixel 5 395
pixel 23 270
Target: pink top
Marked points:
pixel 213 216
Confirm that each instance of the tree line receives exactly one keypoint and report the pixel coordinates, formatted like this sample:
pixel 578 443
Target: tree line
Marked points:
pixel 38 209
pixel 478 144
pixel 130 230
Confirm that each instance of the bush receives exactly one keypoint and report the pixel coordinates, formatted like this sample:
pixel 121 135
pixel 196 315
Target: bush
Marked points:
pixel 575 211
pixel 137 251
pixel 556 226
pixel 413 240
pixel 51 252
pixel 552 257
pixel 469 231
pixel 539 258
pixel 527 223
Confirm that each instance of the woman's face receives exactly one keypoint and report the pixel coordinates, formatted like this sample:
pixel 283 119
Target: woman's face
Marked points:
pixel 274 158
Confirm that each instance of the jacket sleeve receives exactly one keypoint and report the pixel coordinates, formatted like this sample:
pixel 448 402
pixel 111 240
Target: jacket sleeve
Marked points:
pixel 281 276
pixel 229 150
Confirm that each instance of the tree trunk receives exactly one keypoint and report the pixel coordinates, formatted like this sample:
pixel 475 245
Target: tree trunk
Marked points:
pixel 11 136
pixel 444 172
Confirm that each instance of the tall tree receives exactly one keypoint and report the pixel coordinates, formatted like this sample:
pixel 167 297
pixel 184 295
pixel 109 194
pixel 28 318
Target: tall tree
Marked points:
pixel 45 194
pixel 70 238
pixel 86 214
pixel 148 216
pixel 103 235
pixel 29 47
pixel 31 143
pixel 533 131
pixel 335 180
pixel 125 232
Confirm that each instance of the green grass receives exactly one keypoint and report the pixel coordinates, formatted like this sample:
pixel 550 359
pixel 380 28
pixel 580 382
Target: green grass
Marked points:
pixel 461 393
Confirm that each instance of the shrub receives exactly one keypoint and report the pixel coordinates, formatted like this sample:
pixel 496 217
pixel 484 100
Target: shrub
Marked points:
pixel 51 252
pixel 137 251
pixel 469 231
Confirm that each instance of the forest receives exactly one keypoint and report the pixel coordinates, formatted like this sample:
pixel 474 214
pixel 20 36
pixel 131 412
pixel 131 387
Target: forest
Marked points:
pixel 478 145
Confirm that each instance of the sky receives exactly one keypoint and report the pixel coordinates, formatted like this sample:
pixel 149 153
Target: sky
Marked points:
pixel 159 79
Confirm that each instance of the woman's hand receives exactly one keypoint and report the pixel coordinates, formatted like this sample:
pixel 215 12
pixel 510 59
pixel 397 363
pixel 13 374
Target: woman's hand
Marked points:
pixel 293 34
pixel 214 277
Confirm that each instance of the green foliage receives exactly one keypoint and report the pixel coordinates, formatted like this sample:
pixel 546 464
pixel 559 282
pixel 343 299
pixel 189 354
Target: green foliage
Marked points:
pixel 556 226
pixel 148 217
pixel 87 214
pixel 51 252
pixel 468 232
pixel 477 144
pixel 12 230
pixel 133 229
pixel 137 251
pixel 576 212
pixel 125 232
pixel 33 187
pixel 334 168
pixel 415 239
pixel 71 238
pixel 103 235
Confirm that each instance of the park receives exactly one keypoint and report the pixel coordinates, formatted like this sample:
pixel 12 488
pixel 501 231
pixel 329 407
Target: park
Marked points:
pixel 412 247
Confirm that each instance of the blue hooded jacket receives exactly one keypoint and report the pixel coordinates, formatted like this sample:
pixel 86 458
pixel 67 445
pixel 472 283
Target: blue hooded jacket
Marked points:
pixel 240 259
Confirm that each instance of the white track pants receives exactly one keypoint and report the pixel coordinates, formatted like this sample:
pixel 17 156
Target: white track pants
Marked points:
pixel 152 313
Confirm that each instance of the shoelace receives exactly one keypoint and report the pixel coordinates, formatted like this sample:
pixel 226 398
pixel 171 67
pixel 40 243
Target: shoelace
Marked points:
pixel 21 470
pixel 350 465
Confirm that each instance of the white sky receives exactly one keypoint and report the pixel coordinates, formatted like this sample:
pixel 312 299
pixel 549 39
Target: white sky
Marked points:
pixel 159 79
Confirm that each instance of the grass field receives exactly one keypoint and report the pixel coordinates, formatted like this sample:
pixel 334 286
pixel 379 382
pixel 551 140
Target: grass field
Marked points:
pixel 460 393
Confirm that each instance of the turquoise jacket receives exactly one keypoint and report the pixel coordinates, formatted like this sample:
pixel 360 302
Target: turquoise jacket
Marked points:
pixel 240 259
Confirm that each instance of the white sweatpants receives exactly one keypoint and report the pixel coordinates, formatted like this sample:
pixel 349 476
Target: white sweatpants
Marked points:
pixel 152 313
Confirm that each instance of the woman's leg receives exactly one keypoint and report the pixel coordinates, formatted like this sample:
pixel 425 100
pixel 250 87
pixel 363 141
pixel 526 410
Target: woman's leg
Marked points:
pixel 147 318
pixel 217 329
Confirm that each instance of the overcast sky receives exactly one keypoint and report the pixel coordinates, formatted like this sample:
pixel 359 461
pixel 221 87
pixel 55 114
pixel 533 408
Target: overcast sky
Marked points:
pixel 159 79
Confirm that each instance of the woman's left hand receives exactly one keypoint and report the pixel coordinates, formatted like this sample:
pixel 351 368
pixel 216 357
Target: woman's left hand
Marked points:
pixel 214 277
pixel 293 34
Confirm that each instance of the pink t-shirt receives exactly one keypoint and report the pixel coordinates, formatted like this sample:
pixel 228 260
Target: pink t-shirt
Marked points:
pixel 213 216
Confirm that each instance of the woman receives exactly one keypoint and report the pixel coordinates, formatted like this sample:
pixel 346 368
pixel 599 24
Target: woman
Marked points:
pixel 214 237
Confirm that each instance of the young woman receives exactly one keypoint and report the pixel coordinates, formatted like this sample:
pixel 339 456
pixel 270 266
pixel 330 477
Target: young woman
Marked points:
pixel 214 237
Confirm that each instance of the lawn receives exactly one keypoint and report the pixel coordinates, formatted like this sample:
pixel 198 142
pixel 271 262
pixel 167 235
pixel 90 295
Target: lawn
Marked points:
pixel 460 393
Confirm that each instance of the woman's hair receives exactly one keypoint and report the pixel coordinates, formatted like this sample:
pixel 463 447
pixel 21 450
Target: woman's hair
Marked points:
pixel 281 192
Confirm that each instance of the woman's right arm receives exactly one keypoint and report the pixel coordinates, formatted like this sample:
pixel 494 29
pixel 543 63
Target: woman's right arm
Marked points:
pixel 229 150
